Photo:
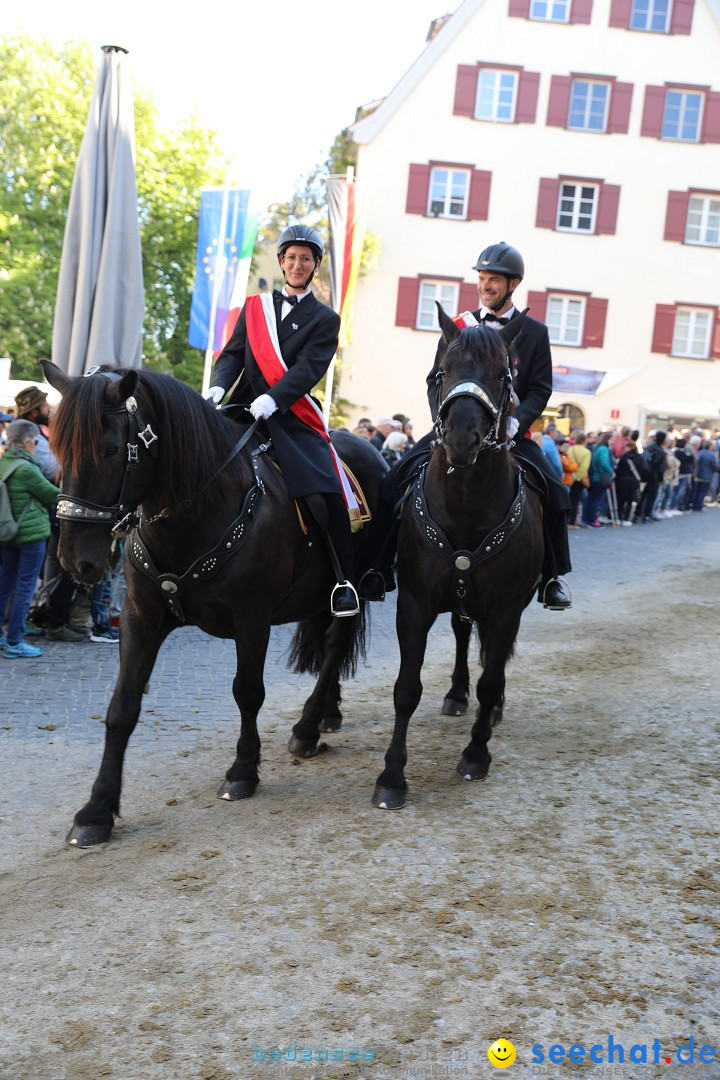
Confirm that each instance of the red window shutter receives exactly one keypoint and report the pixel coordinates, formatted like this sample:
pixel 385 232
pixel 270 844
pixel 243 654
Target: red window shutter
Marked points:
pixel 711 119
pixel 653 111
pixel 619 112
pixel 559 101
pixel 520 8
pixel 595 316
pixel 580 11
pixel 407 301
pixel 417 195
pixel 527 97
pixel 465 90
pixel 681 17
pixel 620 13
pixel 663 329
pixel 537 302
pixel 606 218
pixel 676 216
pixel 479 201
pixel 469 300
pixel 715 346
pixel 547 207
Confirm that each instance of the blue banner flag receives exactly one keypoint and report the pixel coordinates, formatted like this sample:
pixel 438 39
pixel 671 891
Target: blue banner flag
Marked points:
pixel 223 213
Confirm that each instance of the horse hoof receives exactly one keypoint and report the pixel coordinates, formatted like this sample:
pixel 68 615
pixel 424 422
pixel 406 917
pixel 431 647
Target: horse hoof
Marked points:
pixel 454 707
pixel 472 770
pixel 232 790
pixel 84 836
pixel 331 725
pixel 386 798
pixel 301 747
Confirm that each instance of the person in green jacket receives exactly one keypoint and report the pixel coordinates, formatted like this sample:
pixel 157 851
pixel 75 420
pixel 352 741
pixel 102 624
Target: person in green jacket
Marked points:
pixel 21 560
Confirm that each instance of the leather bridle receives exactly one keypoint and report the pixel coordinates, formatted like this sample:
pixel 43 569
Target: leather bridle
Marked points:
pixel 118 516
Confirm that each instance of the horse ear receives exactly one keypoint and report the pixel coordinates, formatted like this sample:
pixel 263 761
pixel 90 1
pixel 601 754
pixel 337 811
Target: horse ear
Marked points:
pixel 510 330
pixel 57 378
pixel 449 328
pixel 121 391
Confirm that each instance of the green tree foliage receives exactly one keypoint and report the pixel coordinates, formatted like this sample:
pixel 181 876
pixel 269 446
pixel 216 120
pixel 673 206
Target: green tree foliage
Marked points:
pixel 44 101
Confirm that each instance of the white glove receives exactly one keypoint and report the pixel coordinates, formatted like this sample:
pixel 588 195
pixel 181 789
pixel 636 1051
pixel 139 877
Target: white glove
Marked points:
pixel 512 428
pixel 215 394
pixel 263 406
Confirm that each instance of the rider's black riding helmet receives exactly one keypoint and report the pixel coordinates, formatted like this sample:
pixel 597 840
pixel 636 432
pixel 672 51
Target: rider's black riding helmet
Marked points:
pixel 501 259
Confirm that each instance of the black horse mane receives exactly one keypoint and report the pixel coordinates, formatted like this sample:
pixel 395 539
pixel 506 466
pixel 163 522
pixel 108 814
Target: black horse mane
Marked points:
pixel 193 437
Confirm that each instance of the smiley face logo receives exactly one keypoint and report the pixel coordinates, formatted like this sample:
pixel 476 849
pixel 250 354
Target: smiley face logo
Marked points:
pixel 501 1054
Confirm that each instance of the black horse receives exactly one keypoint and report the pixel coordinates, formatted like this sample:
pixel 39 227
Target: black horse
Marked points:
pixel 213 541
pixel 470 542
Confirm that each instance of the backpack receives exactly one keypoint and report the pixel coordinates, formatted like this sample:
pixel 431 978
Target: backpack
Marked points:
pixel 8 525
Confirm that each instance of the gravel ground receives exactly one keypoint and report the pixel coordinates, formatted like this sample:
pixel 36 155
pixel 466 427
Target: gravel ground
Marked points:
pixel 570 899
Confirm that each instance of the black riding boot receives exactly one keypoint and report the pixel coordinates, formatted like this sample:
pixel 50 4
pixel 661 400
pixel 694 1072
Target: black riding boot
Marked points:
pixel 379 579
pixel 343 599
pixel 553 592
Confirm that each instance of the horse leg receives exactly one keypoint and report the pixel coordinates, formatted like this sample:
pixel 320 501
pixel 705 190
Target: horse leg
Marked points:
pixel 457 697
pixel 306 733
pixel 140 641
pixel 475 761
pixel 413 626
pixel 242 778
pixel 332 716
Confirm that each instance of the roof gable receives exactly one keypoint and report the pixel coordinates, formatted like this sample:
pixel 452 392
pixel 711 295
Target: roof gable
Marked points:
pixel 365 130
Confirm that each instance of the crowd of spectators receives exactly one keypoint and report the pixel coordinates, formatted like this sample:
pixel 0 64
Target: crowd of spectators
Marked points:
pixel 616 478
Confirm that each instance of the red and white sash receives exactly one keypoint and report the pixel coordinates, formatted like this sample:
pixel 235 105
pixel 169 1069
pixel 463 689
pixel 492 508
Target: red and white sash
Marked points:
pixel 465 319
pixel 263 338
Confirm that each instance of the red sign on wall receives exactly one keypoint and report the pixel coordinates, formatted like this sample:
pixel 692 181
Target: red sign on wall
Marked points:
pixel 614 414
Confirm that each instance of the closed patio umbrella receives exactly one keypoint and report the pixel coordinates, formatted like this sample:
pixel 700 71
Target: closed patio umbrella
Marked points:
pixel 100 306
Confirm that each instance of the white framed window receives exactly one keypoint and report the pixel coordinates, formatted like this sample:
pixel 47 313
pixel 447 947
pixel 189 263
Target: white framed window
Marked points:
pixel 703 220
pixel 691 336
pixel 550 10
pixel 651 15
pixel 496 95
pixel 565 319
pixel 448 192
pixel 577 207
pixel 682 115
pixel 588 105
pixel 447 292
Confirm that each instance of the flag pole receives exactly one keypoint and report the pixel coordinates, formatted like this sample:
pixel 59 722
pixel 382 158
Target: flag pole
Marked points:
pixel 330 376
pixel 219 266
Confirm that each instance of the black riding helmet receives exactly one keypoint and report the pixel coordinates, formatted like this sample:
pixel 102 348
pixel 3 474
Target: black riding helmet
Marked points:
pixel 305 236
pixel 502 259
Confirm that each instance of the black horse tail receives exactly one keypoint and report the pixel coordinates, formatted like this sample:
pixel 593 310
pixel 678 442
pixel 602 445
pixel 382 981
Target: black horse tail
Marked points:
pixel 307 648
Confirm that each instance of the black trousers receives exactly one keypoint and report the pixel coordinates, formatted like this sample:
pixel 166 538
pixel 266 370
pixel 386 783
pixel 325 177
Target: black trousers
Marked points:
pixel 331 515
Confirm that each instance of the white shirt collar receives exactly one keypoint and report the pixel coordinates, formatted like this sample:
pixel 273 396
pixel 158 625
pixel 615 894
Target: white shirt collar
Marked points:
pixel 505 315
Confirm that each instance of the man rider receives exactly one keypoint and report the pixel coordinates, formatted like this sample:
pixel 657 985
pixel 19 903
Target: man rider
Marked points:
pixel 279 350
pixel 500 271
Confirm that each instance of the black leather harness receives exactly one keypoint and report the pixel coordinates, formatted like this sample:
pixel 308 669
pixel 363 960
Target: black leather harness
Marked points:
pixel 463 563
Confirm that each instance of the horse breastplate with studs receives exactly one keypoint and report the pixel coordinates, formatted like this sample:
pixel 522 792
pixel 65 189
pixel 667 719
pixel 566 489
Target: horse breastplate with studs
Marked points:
pixel 463 562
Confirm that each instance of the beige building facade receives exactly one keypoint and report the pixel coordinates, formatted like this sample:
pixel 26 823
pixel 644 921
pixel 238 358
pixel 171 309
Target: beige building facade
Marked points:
pixel 587 134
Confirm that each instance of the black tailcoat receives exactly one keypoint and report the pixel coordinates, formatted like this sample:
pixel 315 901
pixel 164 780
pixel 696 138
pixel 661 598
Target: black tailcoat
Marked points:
pixel 308 339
